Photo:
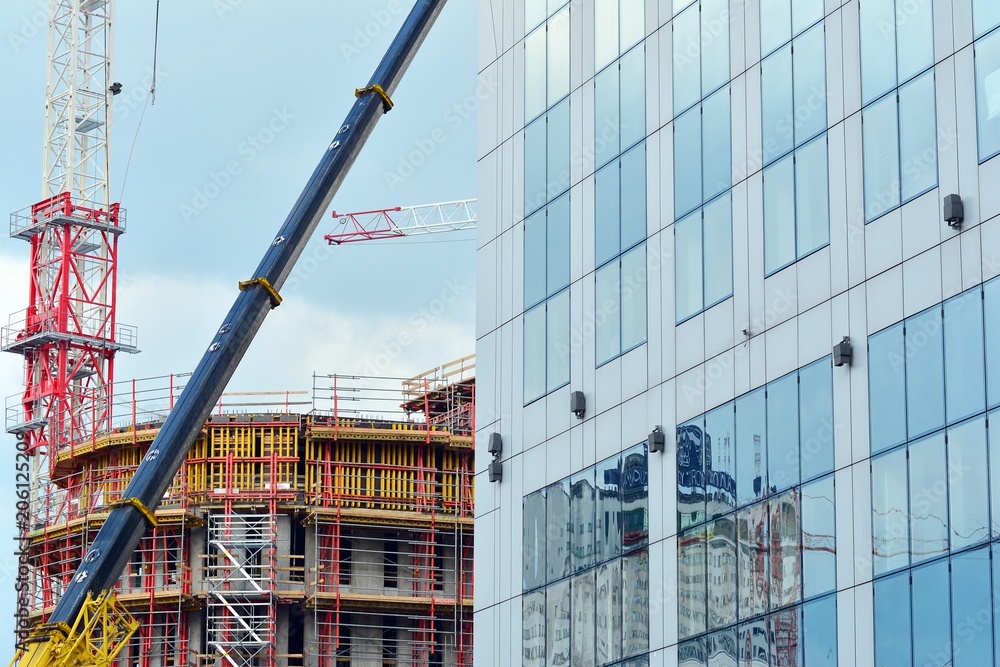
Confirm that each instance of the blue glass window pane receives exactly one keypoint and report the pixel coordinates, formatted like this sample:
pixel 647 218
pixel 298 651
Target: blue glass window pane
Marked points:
pixel 994 455
pixel 819 537
pixel 584 624
pixel 786 549
pixel 633 197
pixel 991 303
pixel 557 623
pixel 967 483
pixel 878 48
pixel 783 433
pixel 690 473
pixel 716 133
pixel 972 613
pixel 753 560
pixel 928 498
pixel 687 59
pixel 965 382
pixel 534 353
pixel 887 388
pixel 892 621
pixel 890 509
pixel 720 460
pixel 816 418
pixel 533 552
pixel 609 612
pixel 986 15
pixel 692 653
pixel 607 119
pixel 819 630
pixel 812 202
pixel 918 136
pixel 718 221
pixel 635 498
pixel 688 265
pixel 635 604
pixel 924 373
pixel 608 325
pixel 633 297
pixel 633 22
pixel 810 84
pixel 751 447
pixel 753 645
pixel 606 31
pixel 607 209
pixel 633 97
pixel 715 21
pixel 931 610
pixel 558 57
pixel 692 584
pixel 914 37
pixel 779 214
pixel 723 572
pixel 534 73
pixel 556 246
pixel 557 337
pixel 609 510
pixel 687 162
pixel 995 553
pixel 557 525
pixel 534 258
pixel 533 630
pixel 880 140
pixel 987 51
pixel 805 13
pixel 583 509
pixel 775 24
pixel 722 649
pixel 534 166
pixel 558 174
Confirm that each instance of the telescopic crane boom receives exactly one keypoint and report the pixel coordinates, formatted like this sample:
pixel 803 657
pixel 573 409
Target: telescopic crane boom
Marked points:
pixel 87 627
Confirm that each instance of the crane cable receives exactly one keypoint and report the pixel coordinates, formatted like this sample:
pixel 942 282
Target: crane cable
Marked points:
pixel 150 99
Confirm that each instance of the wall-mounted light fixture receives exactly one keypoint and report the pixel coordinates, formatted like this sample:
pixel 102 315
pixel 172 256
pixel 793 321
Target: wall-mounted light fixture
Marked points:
pixel 496 471
pixel 578 404
pixel 842 352
pixel 657 440
pixel 495 448
pixel 954 211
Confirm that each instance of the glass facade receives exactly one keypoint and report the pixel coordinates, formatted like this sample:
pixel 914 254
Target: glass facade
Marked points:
pixel 987 54
pixel 586 566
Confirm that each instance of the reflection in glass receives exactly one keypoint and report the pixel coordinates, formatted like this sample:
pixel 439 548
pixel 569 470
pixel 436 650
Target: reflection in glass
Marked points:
pixel 819 632
pixel 783 433
pixel 718 250
pixel 635 603
pixel 994 456
pixel 991 304
pixel 880 143
pixel 753 645
pixel 931 609
pixel 688 266
pixel 886 388
pixel 692 590
pixel 819 538
pixel 995 560
pixel 690 474
pixel 533 552
pixel 558 547
pixel 928 498
pixel 892 621
pixel 722 572
pixel 533 629
pixel 692 653
pixel 785 536
pixel 720 460
pixel 609 510
pixel 987 52
pixel 971 609
pixel 584 620
pixel 816 418
pixel 890 526
pixel 557 623
pixel 583 505
pixel 964 380
pixel 967 483
pixel 918 135
pixel 751 447
pixel 635 498
pixel 754 580
pixel 786 638
pixel 924 373
pixel 609 612
pixel 722 650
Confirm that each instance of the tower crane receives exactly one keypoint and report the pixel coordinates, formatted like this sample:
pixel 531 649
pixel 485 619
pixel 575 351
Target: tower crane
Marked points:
pixel 88 626
pixel 388 223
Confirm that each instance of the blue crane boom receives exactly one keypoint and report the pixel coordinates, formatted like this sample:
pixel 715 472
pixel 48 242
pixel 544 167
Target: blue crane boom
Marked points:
pixel 133 514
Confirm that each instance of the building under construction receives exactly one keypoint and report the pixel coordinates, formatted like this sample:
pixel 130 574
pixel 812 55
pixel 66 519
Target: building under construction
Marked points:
pixel 322 530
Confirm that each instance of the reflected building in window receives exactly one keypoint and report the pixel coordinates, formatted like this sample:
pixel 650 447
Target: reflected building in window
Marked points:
pixel 684 206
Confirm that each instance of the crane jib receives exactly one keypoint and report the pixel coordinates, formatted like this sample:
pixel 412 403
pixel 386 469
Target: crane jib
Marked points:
pixel 128 522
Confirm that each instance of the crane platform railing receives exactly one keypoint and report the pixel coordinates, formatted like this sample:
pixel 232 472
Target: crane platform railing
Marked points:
pixel 388 223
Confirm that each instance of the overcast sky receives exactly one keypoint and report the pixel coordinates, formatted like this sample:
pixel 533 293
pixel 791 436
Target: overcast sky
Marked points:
pixel 262 86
